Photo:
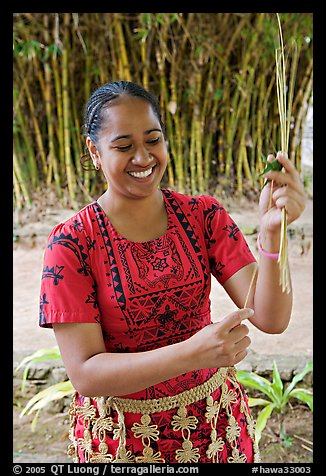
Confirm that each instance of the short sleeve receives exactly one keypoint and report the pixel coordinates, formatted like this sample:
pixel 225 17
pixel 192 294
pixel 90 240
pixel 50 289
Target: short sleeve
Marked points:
pixel 226 246
pixel 68 290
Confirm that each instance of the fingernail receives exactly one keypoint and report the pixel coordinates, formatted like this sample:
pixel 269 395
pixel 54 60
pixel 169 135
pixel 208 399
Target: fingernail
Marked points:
pixel 283 154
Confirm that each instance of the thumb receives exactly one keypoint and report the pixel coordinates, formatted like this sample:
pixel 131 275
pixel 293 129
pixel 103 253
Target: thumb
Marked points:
pixel 234 319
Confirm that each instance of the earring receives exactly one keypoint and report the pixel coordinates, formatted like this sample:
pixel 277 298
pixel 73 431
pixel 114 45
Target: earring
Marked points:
pixel 97 167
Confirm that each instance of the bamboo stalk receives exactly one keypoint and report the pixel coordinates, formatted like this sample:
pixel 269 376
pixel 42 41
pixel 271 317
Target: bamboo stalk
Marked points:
pixel 220 145
pixel 21 182
pixel 66 114
pixel 31 161
pixel 242 157
pixel 203 118
pixel 18 203
pixel 59 129
pixel 74 124
pixel 143 55
pixel 134 53
pixel 163 102
pixel 199 155
pixel 192 158
pixel 53 163
pixel 177 129
pixel 124 71
pixel 38 135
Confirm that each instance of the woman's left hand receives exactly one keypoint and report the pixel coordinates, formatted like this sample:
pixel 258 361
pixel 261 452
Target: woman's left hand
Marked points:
pixel 287 191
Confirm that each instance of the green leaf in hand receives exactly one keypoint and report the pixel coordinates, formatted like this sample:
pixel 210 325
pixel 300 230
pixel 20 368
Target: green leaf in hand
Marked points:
pixel 275 165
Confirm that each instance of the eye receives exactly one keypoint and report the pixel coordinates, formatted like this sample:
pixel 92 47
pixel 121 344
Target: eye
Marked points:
pixel 154 141
pixel 123 148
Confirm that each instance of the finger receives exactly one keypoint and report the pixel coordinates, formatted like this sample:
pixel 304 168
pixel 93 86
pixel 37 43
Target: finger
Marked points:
pixel 292 196
pixel 240 356
pixel 234 319
pixel 283 159
pixel 292 207
pixel 239 332
pixel 280 178
pixel 243 344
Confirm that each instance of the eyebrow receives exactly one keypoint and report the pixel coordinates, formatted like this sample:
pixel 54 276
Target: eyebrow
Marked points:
pixel 127 136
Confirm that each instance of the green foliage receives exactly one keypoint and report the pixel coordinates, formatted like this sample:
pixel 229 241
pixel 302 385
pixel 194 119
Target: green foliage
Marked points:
pixel 278 395
pixel 217 68
pixel 55 392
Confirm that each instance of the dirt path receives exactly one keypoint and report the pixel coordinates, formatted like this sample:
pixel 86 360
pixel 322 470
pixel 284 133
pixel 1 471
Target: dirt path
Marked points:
pixel 297 340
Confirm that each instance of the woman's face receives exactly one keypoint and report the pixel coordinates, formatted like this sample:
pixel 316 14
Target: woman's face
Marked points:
pixel 131 148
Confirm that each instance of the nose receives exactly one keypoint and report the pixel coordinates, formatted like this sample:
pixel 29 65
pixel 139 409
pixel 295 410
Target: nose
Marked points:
pixel 142 157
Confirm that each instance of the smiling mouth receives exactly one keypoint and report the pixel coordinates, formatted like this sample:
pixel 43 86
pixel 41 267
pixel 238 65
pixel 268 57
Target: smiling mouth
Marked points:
pixel 144 174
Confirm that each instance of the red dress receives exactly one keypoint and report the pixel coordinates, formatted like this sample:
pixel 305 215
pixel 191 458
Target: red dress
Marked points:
pixel 144 296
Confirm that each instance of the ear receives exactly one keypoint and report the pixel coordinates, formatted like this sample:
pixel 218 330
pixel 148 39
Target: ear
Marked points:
pixel 91 147
pixel 93 152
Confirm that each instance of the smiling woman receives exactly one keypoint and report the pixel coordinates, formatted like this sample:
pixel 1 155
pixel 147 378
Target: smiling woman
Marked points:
pixel 126 287
pixel 125 139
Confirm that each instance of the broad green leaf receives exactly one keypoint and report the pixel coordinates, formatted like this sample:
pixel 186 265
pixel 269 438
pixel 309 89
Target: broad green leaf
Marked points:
pixel 253 402
pixel 252 380
pixel 298 377
pixel 41 399
pixel 50 353
pixel 277 384
pixel 262 420
pixel 304 395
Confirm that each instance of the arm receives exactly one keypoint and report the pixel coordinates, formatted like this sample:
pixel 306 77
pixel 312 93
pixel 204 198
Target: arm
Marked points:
pixel 93 371
pixel 272 306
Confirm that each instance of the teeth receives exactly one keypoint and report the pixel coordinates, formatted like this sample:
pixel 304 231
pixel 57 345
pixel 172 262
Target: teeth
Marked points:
pixel 141 174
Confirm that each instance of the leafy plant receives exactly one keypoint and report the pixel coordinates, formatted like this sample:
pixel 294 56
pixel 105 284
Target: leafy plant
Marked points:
pixel 55 392
pixel 278 396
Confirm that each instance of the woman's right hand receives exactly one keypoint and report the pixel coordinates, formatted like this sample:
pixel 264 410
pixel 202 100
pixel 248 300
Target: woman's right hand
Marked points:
pixel 222 344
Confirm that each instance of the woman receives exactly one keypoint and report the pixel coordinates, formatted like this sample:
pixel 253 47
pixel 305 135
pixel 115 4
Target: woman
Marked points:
pixel 126 288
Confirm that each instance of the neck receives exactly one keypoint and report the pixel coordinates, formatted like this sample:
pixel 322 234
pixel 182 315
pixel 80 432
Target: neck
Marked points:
pixel 116 205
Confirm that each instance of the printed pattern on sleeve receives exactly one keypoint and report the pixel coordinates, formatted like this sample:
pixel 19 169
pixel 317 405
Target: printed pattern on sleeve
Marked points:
pixel 68 290
pixel 227 248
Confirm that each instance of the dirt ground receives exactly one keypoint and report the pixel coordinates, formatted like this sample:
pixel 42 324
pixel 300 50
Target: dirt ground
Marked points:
pixel 48 443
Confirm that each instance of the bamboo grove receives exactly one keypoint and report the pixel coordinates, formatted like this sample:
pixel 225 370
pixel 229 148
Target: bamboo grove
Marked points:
pixel 214 74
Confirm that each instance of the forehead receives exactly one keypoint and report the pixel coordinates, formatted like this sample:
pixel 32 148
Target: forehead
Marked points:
pixel 128 113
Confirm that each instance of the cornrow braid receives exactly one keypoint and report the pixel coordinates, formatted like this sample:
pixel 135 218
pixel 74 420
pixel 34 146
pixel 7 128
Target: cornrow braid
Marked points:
pixel 106 94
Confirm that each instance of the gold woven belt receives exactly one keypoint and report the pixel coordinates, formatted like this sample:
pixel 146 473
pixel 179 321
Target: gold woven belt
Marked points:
pixel 163 404
pixel 98 422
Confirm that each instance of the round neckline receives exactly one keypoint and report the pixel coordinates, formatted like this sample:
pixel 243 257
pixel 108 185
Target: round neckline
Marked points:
pixel 159 238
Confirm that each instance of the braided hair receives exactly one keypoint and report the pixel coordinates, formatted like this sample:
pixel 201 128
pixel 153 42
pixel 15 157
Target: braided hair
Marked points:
pixel 106 94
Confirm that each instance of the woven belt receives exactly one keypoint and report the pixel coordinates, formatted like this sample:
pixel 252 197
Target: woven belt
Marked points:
pixel 163 404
